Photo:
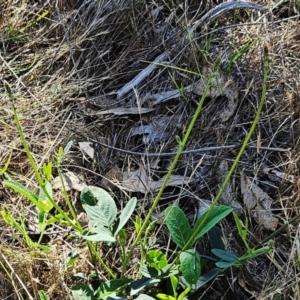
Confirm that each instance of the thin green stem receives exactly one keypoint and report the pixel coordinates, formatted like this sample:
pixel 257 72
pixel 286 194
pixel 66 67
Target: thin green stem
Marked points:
pixel 31 159
pixel 76 226
pixel 96 256
pixel 238 157
pixel 173 165
pixel 67 199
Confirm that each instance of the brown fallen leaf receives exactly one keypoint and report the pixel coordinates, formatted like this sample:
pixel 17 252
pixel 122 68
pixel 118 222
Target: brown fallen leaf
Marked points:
pixel 71 181
pixel 140 181
pixel 258 202
pixel 87 149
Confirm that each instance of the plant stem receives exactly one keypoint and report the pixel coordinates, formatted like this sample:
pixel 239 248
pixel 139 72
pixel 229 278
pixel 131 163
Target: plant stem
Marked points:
pixel 238 157
pixel 67 199
pixel 76 226
pixel 31 159
pixel 173 165
pixel 95 256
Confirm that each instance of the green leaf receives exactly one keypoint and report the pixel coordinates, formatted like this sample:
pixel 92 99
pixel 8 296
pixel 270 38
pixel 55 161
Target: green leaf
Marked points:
pixel 42 295
pixel 3 170
pixel 244 49
pixel 225 255
pixel 182 296
pixel 138 224
pixel 100 237
pixel 156 259
pixel 99 205
pixel 165 272
pixel 174 284
pixel 7 218
pixel 110 297
pixel 44 202
pixel 178 140
pixel 44 248
pixel 55 219
pixel 178 225
pixel 205 278
pixel 81 291
pixel 190 263
pixel 139 284
pixel 144 297
pixel 42 218
pixel 215 216
pixel 47 170
pixel 122 237
pixel 125 215
pixel 215 237
pixel 72 257
pixel 99 234
pixel 162 296
pixel 111 286
pixel 60 152
pixel 22 190
pixel 224 264
pixel 10 220
pixel 98 228
pixel 241 230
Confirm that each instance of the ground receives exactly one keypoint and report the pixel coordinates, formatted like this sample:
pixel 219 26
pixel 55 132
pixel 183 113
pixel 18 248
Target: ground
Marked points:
pixel 69 65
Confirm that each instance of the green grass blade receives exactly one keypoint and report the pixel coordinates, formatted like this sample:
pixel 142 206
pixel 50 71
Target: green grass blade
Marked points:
pixel 22 190
pixel 238 157
pixel 3 170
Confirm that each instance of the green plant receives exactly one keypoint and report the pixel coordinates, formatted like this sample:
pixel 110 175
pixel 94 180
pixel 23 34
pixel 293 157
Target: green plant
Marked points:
pixel 105 226
pixel 179 87
pixel 43 200
pixel 184 274
pixel 43 295
pixel 239 54
pixel 16 35
pixel 251 252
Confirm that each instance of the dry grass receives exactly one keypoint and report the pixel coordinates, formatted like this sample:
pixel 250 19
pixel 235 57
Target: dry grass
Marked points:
pixel 67 66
